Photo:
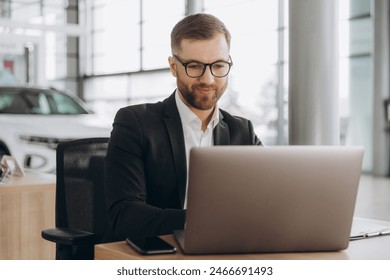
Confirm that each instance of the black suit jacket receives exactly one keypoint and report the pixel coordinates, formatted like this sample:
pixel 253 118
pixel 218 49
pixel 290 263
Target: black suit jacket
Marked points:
pixel 146 170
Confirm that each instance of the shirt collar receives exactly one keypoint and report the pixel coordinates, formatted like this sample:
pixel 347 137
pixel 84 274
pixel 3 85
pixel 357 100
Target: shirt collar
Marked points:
pixel 187 116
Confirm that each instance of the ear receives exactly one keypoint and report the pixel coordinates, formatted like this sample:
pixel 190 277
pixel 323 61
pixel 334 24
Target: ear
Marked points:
pixel 172 65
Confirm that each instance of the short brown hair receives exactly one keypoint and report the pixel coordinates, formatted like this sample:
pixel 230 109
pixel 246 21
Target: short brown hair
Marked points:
pixel 197 27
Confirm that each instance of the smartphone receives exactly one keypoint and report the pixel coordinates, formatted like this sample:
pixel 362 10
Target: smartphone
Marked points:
pixel 151 246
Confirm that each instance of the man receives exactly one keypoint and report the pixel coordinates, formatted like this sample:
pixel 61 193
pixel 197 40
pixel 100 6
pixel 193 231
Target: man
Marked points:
pixel 147 158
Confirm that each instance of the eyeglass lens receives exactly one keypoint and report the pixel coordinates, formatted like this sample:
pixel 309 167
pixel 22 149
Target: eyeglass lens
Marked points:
pixel 218 69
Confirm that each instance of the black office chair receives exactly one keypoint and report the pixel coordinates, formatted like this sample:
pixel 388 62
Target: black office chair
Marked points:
pixel 81 212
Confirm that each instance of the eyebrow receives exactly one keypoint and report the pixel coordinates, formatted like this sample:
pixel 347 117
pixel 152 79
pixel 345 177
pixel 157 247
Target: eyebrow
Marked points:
pixel 198 61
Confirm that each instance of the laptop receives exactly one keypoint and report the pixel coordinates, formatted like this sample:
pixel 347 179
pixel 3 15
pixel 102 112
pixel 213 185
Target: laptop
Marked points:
pixel 251 199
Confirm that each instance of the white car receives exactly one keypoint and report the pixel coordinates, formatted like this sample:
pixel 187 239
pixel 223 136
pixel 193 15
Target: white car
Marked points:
pixel 34 120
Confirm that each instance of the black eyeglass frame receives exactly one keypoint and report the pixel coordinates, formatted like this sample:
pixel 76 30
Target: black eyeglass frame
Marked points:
pixel 205 66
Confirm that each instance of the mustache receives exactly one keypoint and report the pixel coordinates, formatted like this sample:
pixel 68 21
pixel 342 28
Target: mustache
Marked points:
pixel 204 86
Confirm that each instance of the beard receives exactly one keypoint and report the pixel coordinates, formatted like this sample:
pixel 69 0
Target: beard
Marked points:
pixel 201 100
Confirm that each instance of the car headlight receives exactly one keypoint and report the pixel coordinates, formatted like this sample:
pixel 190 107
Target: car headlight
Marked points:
pixel 49 142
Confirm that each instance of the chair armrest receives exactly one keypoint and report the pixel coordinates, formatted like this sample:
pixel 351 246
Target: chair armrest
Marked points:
pixel 71 244
pixel 67 236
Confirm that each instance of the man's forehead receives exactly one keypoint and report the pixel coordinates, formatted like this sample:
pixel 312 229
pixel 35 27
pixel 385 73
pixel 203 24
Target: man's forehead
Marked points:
pixel 216 46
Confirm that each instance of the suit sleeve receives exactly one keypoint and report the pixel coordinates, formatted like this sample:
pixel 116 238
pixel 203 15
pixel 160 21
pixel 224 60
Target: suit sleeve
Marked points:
pixel 125 184
pixel 254 139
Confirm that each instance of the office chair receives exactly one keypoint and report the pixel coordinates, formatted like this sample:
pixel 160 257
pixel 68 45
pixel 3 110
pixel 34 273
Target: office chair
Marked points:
pixel 81 212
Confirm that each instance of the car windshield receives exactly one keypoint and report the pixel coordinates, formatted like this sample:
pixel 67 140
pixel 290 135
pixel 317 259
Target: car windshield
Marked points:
pixel 42 102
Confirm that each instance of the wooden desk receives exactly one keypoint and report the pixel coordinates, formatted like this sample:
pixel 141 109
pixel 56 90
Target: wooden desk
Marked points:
pixel 27 206
pixel 373 248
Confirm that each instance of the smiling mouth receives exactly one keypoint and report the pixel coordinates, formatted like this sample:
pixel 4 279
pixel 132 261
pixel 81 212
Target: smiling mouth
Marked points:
pixel 205 89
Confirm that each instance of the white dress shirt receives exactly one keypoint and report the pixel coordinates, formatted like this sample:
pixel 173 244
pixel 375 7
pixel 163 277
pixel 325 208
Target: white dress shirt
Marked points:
pixel 192 129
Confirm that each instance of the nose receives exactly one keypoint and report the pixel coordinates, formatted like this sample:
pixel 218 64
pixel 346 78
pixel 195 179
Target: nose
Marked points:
pixel 207 77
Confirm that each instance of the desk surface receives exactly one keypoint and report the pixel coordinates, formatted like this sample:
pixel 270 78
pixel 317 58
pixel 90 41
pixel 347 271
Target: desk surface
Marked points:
pixel 372 248
pixel 27 207
pixel 30 179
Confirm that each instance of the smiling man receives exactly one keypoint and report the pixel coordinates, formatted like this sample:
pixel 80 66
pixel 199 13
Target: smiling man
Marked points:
pixel 148 153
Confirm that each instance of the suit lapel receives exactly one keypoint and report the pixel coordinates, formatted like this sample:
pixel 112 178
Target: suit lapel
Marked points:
pixel 221 132
pixel 176 137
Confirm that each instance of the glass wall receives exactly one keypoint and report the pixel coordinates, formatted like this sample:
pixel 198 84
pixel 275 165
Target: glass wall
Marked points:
pixel 47 32
pixel 115 36
pixel 128 45
pixel 360 95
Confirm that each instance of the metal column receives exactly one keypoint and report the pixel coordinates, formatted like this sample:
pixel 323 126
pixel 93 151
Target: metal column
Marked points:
pixel 313 70
pixel 380 75
pixel 194 7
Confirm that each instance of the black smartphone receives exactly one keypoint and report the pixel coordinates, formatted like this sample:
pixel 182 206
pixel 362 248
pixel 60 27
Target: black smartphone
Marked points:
pixel 151 245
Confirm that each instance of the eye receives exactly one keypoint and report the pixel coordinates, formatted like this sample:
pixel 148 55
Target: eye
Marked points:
pixel 220 65
pixel 195 66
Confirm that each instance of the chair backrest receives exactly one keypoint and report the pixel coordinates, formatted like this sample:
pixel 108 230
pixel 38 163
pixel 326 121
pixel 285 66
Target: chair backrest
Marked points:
pixel 80 197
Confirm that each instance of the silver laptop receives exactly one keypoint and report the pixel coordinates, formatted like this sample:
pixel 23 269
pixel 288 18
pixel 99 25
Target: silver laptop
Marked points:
pixel 248 199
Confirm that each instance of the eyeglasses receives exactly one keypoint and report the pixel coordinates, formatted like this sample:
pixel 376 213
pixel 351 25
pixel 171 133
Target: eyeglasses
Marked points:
pixel 195 69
